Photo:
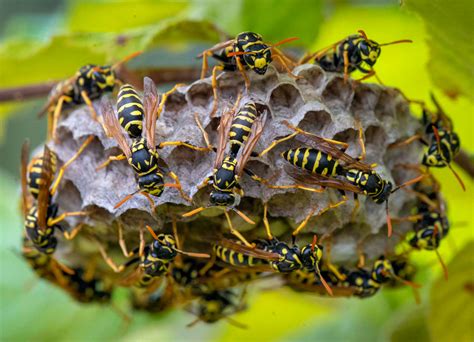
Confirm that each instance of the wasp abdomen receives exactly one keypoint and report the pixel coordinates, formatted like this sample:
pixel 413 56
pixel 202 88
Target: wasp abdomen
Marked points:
pixel 130 111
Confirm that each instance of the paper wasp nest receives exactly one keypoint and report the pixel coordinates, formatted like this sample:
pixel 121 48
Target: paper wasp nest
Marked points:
pixel 319 102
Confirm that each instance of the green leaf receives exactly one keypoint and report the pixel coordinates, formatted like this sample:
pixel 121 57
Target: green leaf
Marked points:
pixel 449 26
pixel 452 301
pixel 61 56
pixel 273 19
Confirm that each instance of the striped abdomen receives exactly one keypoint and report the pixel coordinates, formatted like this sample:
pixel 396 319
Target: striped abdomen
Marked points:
pixel 235 258
pixel 313 161
pixel 242 127
pixel 130 111
pixel 34 173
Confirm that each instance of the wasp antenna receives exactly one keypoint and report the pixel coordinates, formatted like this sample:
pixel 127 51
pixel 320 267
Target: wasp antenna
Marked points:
pixel 284 41
pixel 152 232
pixel 313 244
pixel 397 42
pixel 410 182
pixel 363 34
pixel 323 281
pixel 389 220
pixel 457 177
pixel 126 59
pixel 126 198
pixel 443 265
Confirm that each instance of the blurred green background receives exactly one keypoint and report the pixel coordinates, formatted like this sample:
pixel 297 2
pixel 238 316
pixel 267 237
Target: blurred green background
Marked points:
pixel 49 39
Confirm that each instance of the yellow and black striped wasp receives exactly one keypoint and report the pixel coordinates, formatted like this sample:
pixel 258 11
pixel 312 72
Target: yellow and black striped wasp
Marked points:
pixel 355 52
pixel 41 213
pixel 246 51
pixel 430 223
pixel 442 142
pixel 89 83
pixel 213 306
pixel 327 165
pixel 281 257
pixel 229 168
pixel 154 260
pixel 142 153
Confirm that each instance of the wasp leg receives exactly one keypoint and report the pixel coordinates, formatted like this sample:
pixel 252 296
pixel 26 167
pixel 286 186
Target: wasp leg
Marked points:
pixel 56 113
pixel 69 162
pixel 108 260
pixel 89 104
pixel 179 187
pixel 150 199
pixel 276 142
pixel 208 265
pixel 141 248
pixel 409 141
pixel 111 159
pixel 204 183
pixel 71 235
pixel 236 232
pixel 205 64
pixel 280 60
pixel 121 240
pixel 164 97
pixel 361 254
pixel 56 220
pixel 355 210
pixel 193 212
pixel 346 66
pixel 265 222
pixel 271 186
pixel 244 75
pixel 343 145
pixel 361 142
pixel 215 88
pixel 321 212
pixel 205 136
pixel 333 268
pixel 182 143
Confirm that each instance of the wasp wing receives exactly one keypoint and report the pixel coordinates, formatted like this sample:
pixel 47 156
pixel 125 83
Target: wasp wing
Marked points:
pixel 441 115
pixel 223 132
pixel 25 194
pixel 305 177
pixel 332 148
pixel 217 47
pixel 257 131
pixel 253 252
pixel 113 128
pixel 150 102
pixel 44 195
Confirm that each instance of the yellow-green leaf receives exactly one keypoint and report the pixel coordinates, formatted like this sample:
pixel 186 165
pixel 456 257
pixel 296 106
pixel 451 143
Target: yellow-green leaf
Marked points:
pixel 451 43
pixel 451 312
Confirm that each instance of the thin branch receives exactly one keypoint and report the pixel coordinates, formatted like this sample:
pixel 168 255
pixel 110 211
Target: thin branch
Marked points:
pixel 465 161
pixel 135 77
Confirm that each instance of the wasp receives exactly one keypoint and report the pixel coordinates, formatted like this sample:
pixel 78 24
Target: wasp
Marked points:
pixel 142 153
pixel 228 168
pixel 443 144
pixel 41 213
pixel 158 301
pixel 44 265
pixel 154 260
pixel 327 165
pixel 246 51
pixel 281 257
pixel 216 305
pixel 355 52
pixel 431 224
pixel 89 83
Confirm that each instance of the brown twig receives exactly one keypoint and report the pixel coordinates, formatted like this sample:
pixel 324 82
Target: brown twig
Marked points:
pixel 465 161
pixel 160 76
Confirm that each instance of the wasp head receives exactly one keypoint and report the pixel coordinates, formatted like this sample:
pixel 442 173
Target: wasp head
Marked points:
pixel 369 51
pixel 225 199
